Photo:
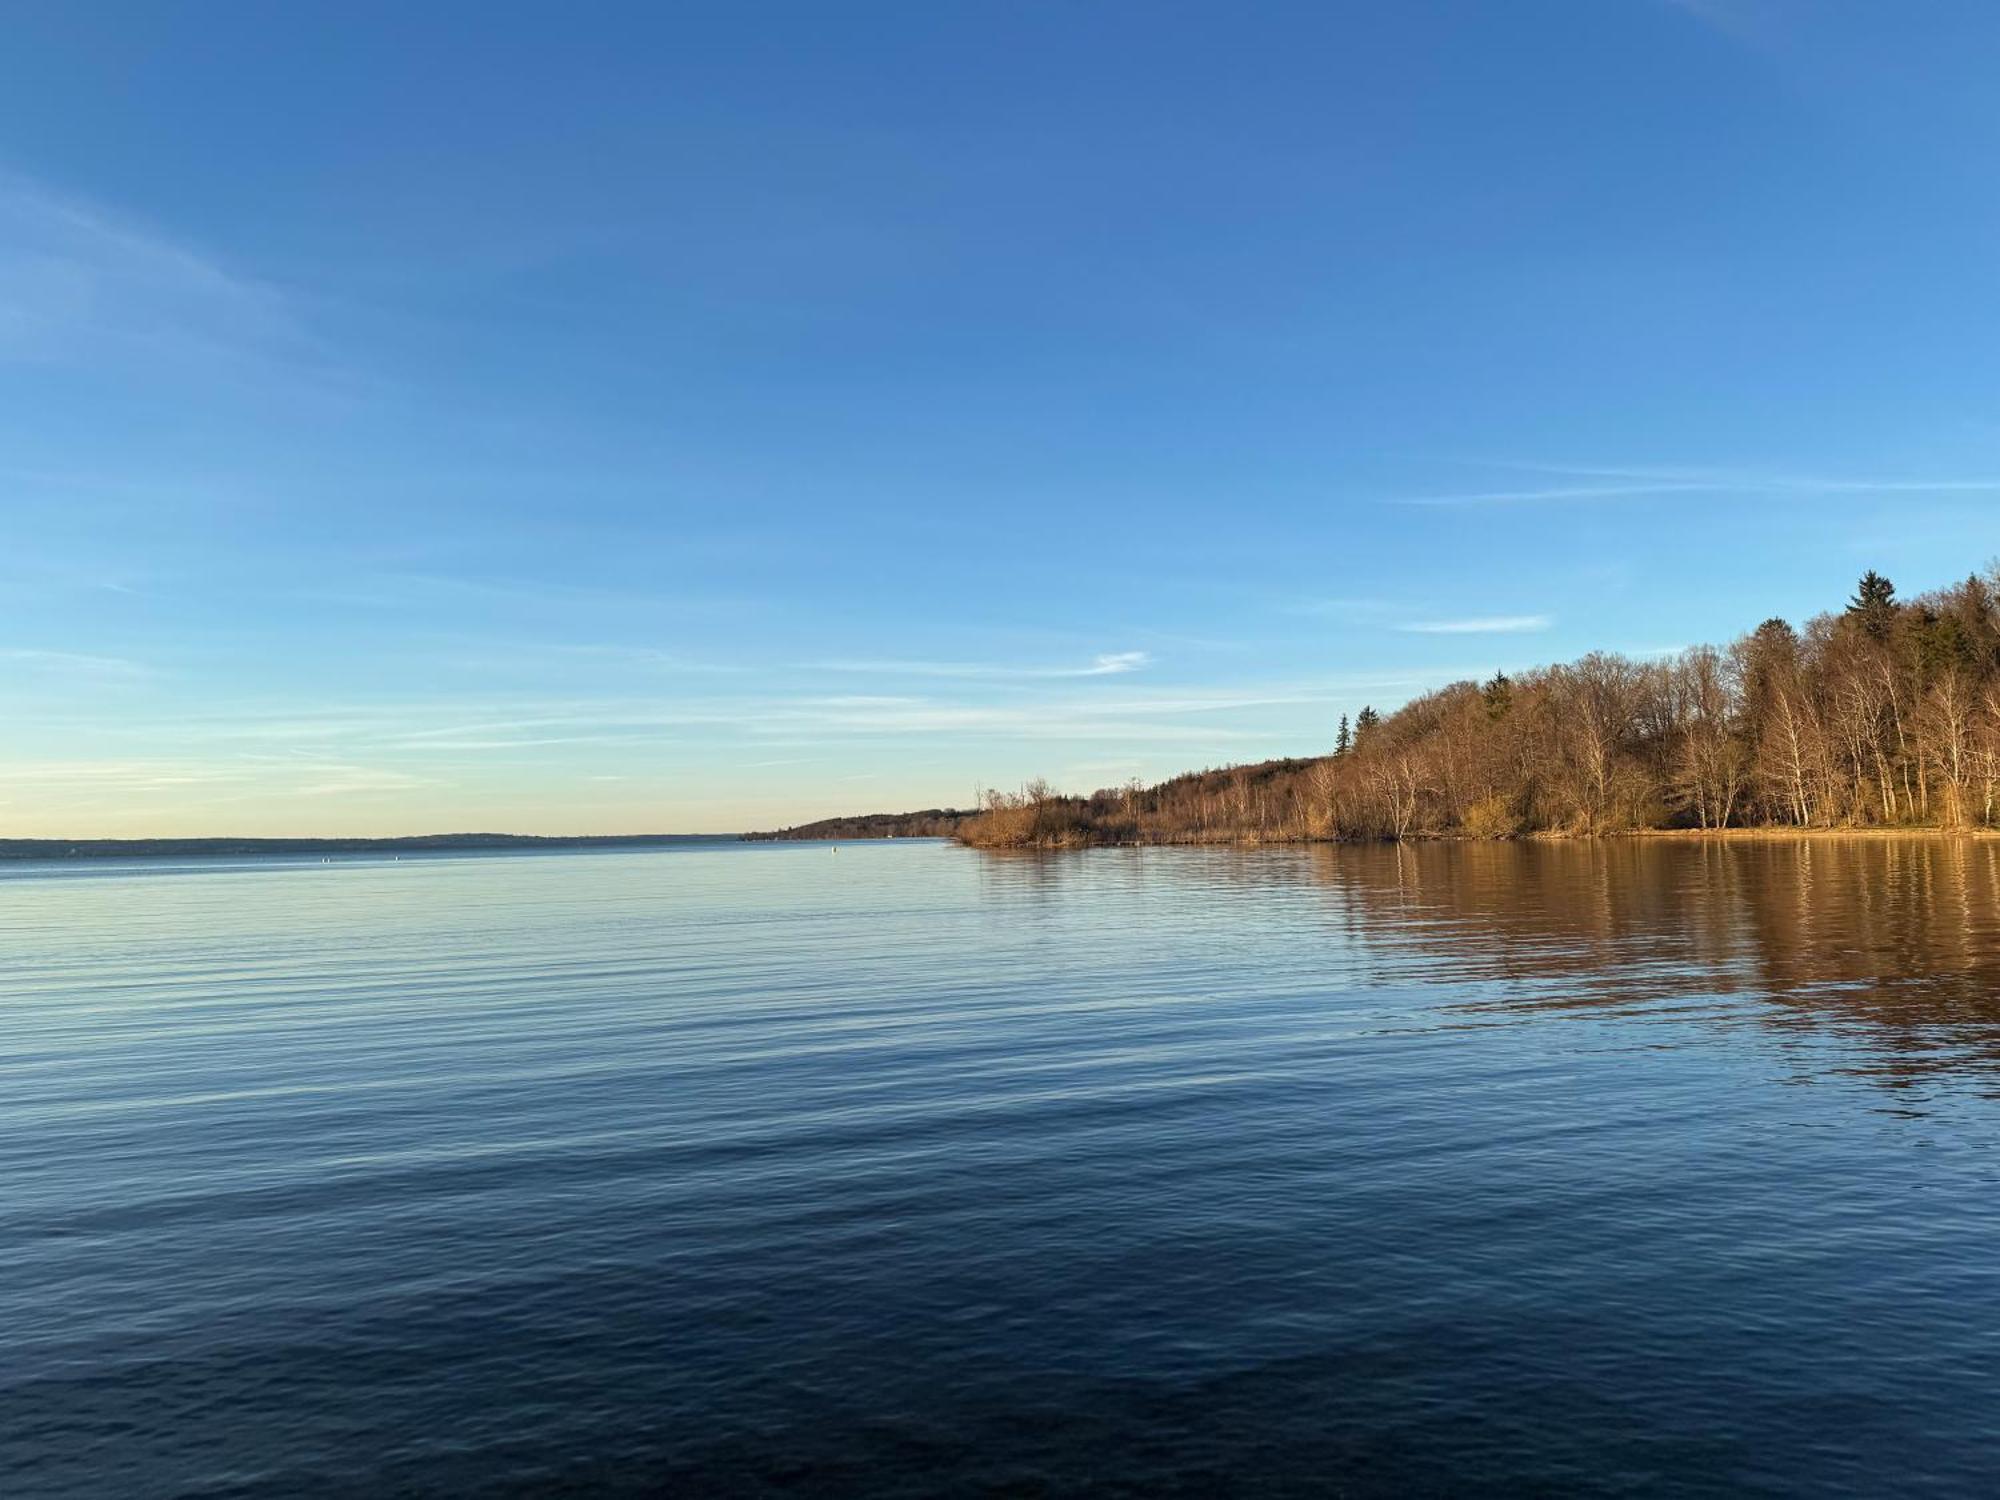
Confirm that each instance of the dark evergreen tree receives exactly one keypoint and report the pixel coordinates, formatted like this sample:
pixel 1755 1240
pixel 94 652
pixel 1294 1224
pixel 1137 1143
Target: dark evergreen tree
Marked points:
pixel 1344 740
pixel 1364 723
pixel 1873 606
pixel 1499 695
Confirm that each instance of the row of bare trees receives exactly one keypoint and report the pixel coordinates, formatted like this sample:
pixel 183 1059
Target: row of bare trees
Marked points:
pixel 1887 713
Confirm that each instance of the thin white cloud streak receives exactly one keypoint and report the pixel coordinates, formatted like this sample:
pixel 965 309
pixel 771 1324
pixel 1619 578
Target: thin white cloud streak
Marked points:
pixel 1360 611
pixel 1776 483
pixel 114 775
pixel 1640 482
pixel 1703 10
pixel 1481 625
pixel 402 590
pixel 1553 494
pixel 447 745
pixel 80 285
pixel 83 798
pixel 1736 19
pixel 74 662
pixel 1104 664
pixel 348 781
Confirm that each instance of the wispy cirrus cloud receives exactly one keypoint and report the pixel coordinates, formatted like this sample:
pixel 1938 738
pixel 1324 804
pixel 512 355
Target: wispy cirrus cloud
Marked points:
pixel 1662 478
pixel 348 781
pixel 1718 12
pixel 1740 20
pixel 44 777
pixel 1359 611
pixel 1104 664
pixel 1481 625
pixel 74 664
pixel 1397 617
pixel 1592 483
pixel 186 785
pixel 80 284
pixel 1551 494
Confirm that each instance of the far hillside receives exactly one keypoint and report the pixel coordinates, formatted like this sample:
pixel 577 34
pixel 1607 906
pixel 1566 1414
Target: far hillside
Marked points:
pixel 934 823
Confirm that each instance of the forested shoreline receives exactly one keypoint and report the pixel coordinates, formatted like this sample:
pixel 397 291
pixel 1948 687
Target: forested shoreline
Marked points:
pixel 932 823
pixel 1884 714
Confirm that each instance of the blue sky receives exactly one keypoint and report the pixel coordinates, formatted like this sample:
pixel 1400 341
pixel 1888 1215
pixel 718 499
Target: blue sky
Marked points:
pixel 611 418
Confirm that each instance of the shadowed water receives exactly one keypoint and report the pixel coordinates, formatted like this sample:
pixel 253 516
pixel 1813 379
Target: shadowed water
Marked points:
pixel 1627 1168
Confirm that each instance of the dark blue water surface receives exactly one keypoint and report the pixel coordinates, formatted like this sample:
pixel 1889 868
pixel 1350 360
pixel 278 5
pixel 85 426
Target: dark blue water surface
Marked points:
pixel 1628 1168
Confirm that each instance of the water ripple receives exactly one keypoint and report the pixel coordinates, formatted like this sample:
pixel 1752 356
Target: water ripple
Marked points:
pixel 1647 1167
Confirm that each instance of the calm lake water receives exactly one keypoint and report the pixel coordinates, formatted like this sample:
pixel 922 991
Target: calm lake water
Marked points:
pixel 1633 1168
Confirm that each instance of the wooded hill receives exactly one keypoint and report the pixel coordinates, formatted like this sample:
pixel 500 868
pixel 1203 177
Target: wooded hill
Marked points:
pixel 933 823
pixel 1886 713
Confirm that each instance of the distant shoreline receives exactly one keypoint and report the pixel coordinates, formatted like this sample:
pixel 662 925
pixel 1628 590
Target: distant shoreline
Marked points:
pixel 428 843
pixel 930 823
pixel 473 843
